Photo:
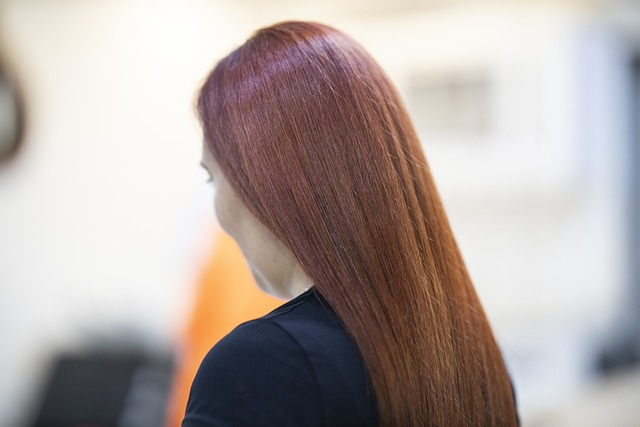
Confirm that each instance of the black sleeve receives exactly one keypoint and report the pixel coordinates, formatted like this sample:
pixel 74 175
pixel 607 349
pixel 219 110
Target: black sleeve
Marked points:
pixel 257 375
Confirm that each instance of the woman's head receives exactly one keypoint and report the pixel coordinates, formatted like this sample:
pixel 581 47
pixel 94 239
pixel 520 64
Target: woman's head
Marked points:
pixel 288 120
pixel 314 139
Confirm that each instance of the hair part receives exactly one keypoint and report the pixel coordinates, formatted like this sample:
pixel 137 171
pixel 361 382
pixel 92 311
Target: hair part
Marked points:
pixel 316 141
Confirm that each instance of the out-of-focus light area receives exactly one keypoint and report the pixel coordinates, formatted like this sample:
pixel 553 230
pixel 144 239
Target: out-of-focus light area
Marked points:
pixel 529 116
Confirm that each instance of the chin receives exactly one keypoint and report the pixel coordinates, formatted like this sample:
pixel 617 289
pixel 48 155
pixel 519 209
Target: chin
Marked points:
pixel 266 286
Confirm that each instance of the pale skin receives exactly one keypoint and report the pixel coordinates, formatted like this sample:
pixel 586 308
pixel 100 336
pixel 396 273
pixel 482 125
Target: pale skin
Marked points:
pixel 273 266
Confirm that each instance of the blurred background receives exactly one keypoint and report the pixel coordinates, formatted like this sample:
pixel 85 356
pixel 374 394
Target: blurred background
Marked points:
pixel 529 113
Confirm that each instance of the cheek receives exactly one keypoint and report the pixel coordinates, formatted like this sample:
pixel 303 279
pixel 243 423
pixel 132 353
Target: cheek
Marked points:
pixel 227 211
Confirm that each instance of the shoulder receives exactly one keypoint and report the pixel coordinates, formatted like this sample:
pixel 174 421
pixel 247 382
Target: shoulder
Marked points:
pixel 257 375
pixel 296 366
pixel 261 340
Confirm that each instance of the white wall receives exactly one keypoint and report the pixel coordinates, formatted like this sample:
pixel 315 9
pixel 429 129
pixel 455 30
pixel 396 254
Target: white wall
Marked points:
pixel 104 213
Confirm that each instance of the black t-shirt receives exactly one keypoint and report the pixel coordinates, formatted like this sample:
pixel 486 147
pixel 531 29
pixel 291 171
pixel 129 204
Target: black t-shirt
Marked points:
pixel 296 366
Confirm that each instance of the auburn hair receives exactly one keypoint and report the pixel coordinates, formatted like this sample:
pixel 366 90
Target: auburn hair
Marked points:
pixel 315 139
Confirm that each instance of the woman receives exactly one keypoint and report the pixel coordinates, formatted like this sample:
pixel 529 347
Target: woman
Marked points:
pixel 322 182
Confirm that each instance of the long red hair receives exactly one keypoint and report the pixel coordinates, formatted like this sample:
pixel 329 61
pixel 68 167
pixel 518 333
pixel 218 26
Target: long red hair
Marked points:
pixel 316 141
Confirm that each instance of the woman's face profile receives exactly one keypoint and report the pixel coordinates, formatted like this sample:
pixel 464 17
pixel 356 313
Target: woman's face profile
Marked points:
pixel 273 266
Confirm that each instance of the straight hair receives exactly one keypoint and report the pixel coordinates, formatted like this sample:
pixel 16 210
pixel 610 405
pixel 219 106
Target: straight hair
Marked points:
pixel 315 139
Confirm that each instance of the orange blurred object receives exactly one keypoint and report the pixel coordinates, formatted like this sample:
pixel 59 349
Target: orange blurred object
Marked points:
pixel 226 296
